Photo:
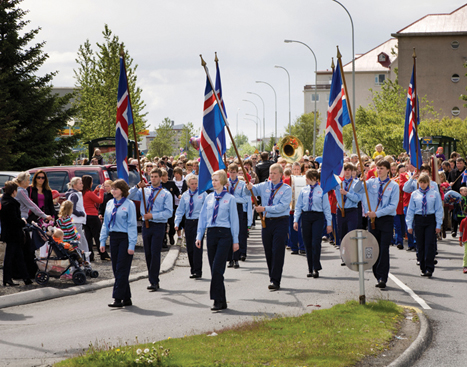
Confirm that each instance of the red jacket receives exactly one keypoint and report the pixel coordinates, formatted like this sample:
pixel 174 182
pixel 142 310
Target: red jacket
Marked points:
pixel 400 206
pixel 403 179
pixel 91 201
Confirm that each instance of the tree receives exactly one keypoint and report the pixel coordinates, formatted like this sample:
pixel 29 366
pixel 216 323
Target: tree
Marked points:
pixel 240 139
pixel 188 132
pixel 453 127
pixel 163 141
pixel 97 86
pixel 270 144
pixel 302 128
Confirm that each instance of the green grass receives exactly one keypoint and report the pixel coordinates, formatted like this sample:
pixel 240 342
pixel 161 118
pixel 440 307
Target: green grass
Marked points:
pixel 339 336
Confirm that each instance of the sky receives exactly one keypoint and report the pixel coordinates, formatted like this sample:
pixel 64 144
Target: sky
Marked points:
pixel 165 39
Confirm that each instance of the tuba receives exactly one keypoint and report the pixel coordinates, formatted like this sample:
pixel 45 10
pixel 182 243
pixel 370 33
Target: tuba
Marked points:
pixel 291 148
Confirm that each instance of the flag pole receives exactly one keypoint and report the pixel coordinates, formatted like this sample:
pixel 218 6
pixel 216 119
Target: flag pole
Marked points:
pixel 415 108
pixel 339 56
pixel 203 63
pixel 122 54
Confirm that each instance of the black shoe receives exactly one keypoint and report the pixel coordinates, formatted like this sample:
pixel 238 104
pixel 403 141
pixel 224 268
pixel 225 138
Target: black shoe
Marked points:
pixel 302 252
pixel 153 287
pixel 105 256
pixel 219 306
pixel 91 257
pixel 9 283
pixel 427 274
pixel 381 284
pixel 236 266
pixel 400 246
pixel 294 252
pixel 342 263
pixel 315 274
pixel 127 302
pixel 243 257
pixel 309 275
pixel 454 234
pixel 195 276
pixel 418 262
pixel 27 281
pixel 172 241
pixel 116 303
pixel 164 245
pixel 231 264
pixel 274 287
pixel 410 249
pixel 435 262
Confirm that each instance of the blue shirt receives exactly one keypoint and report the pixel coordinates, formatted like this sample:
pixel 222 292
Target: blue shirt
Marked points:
pixel 184 206
pixel 320 203
pixel 162 209
pixel 227 216
pixel 352 199
pixel 125 221
pixel 281 203
pixel 390 201
pixel 411 185
pixel 241 196
pixel 433 206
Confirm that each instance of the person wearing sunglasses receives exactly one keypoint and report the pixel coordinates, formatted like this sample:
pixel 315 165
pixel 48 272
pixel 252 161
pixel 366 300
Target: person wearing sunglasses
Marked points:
pixel 41 194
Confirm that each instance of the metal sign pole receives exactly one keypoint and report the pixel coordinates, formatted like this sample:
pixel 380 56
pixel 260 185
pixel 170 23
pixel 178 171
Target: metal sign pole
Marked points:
pixel 361 271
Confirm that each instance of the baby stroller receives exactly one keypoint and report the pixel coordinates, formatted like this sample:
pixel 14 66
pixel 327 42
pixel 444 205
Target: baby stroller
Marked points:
pixel 59 259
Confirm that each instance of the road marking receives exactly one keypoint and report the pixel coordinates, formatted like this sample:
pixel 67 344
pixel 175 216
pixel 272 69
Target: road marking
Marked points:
pixel 420 301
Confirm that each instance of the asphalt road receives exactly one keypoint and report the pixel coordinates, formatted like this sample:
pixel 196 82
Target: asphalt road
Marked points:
pixel 42 333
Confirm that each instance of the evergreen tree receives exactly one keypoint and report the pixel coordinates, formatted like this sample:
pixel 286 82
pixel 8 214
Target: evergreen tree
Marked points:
pixel 97 84
pixel 31 117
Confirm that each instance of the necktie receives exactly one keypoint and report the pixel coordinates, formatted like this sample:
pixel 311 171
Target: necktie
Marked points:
pixel 346 187
pixel 424 203
pixel 192 204
pixel 117 204
pixel 152 197
pixel 380 191
pixel 273 189
pixel 232 186
pixel 310 197
pixel 218 197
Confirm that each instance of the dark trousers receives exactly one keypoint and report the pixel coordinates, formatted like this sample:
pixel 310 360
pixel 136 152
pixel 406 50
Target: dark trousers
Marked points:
pixel 152 241
pixel 242 234
pixel 14 255
pixel 383 233
pixel 312 225
pixel 121 264
pixel 195 254
pixel 92 231
pixel 219 240
pixel 295 240
pixel 399 229
pixel 411 241
pixel 274 238
pixel 347 223
pixel 425 231
pixel 170 228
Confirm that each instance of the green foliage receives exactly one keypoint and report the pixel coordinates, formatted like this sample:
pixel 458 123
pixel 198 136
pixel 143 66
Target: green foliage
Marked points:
pixel 31 118
pixel 302 128
pixel 270 144
pixel 163 141
pixel 452 127
pixel 97 87
pixel 240 140
pixel 188 131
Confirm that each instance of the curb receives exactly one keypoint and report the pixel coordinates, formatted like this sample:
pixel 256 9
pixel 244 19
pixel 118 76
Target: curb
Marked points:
pixel 420 344
pixel 43 294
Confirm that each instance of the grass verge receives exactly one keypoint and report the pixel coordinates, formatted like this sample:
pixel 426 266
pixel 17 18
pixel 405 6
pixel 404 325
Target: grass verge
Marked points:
pixel 339 336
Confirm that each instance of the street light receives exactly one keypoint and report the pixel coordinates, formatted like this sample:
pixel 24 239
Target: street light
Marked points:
pixel 354 148
pixel 264 121
pixel 275 100
pixel 256 122
pixel 256 108
pixel 316 91
pixel 290 117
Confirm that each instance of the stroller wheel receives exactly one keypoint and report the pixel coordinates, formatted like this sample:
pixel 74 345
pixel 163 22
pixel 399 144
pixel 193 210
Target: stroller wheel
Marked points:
pixel 79 278
pixel 42 277
pixel 94 274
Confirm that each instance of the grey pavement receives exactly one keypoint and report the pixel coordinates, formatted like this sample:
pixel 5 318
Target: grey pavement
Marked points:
pixel 43 332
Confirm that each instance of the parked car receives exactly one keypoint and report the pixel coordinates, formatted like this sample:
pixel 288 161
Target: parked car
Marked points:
pixel 7 176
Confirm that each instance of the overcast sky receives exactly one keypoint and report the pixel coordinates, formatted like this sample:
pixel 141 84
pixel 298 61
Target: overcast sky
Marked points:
pixel 165 39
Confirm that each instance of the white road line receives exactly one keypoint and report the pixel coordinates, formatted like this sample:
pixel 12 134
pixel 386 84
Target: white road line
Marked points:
pixel 420 301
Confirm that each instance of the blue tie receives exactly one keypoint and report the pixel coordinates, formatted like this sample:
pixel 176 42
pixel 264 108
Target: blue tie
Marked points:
pixel 232 186
pixel 346 187
pixel 310 197
pixel 424 203
pixel 273 189
pixel 117 204
pixel 218 197
pixel 152 197
pixel 192 204
pixel 380 191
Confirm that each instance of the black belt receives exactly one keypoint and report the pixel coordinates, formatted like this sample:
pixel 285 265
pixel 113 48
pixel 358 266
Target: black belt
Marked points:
pixel 311 211
pixel 275 218
pixel 154 223
pixel 186 219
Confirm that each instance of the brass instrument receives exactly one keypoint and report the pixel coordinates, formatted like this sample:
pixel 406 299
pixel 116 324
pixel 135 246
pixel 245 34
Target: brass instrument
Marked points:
pixel 291 148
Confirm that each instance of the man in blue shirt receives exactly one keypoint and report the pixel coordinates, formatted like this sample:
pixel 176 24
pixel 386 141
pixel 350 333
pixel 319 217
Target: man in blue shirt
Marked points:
pixel 275 199
pixel 159 205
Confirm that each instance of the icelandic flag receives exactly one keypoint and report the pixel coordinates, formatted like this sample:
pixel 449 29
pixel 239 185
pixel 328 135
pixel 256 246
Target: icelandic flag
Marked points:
pixel 411 142
pixel 333 151
pixel 213 125
pixel 124 119
pixel 220 141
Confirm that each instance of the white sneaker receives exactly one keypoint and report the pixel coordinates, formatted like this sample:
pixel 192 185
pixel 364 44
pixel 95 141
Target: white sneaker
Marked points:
pixel 179 241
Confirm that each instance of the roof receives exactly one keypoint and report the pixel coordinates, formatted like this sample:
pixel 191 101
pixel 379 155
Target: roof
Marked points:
pixel 454 22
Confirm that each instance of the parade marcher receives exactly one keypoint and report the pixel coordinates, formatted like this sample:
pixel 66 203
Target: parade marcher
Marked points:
pixel 275 198
pixel 120 225
pixel 236 187
pixel 295 240
pixel 425 217
pixel 181 184
pixel 170 186
pixel 456 181
pixel 190 207
pixel 384 198
pixel 75 195
pixel 219 215
pixel 159 209
pixel 313 210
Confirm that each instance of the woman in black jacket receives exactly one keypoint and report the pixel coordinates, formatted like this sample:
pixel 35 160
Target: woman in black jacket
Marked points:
pixel 41 194
pixel 12 234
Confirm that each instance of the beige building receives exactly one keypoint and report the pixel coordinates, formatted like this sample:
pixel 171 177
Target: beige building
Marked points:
pixel 440 42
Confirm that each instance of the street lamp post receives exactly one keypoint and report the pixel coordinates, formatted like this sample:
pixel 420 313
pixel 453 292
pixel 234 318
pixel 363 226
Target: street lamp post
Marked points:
pixel 290 117
pixel 264 121
pixel 256 108
pixel 275 102
pixel 354 148
pixel 316 91
pixel 256 122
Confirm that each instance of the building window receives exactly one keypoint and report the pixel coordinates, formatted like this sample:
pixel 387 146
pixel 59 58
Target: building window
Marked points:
pixel 455 45
pixel 313 97
pixel 455 111
pixel 379 79
pixel 455 78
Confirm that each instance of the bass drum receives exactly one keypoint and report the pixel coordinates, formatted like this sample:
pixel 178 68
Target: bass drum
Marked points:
pixel 297 184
